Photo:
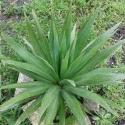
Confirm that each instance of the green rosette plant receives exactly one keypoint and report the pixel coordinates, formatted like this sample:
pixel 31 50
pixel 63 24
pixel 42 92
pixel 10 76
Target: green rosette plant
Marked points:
pixel 62 65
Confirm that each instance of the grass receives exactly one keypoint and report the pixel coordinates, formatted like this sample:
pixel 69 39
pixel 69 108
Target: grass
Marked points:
pixel 112 12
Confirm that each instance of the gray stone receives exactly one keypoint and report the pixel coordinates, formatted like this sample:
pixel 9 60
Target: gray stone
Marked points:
pixel 91 105
pixel 24 78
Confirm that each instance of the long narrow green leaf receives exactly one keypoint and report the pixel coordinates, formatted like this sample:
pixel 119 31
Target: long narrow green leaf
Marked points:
pixel 90 95
pixel 99 83
pixel 67 81
pixel 33 38
pixel 75 107
pixel 66 31
pixel 83 34
pixel 113 104
pixel 95 46
pixel 73 34
pixel 52 111
pixel 20 50
pixel 101 71
pixel 71 82
pixel 72 45
pixel 28 44
pixel 106 70
pixel 41 63
pixel 51 70
pixel 25 54
pixel 72 67
pixel 32 108
pixel 42 39
pixel 54 42
pixel 26 85
pixel 101 56
pixel 64 65
pixel 95 79
pixel 62 112
pixel 51 93
pixel 65 36
pixel 29 67
pixel 30 74
pixel 63 48
pixel 23 95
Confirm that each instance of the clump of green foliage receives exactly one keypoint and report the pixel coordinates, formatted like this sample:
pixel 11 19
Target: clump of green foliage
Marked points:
pixel 62 65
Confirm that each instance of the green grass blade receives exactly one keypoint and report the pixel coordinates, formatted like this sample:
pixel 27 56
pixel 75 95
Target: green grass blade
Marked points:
pixel 90 95
pixel 84 33
pixel 32 108
pixel 52 111
pixel 23 95
pixel 101 56
pixel 62 112
pixel 51 93
pixel 75 107
pixel 26 85
pixel 1 55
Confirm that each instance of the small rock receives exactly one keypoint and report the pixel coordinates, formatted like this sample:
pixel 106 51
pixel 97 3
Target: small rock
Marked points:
pixel 91 105
pixel 22 78
pixel 33 117
pixel 88 120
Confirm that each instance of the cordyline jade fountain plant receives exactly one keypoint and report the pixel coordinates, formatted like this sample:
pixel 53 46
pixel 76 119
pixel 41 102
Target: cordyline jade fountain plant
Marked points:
pixel 62 65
